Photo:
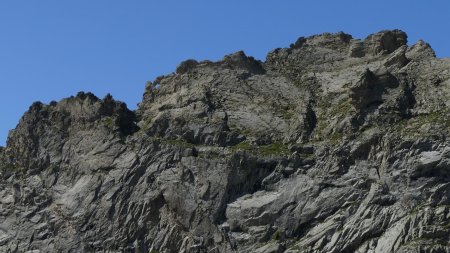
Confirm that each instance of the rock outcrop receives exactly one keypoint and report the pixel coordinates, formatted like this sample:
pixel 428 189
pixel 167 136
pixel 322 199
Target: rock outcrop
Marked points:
pixel 333 144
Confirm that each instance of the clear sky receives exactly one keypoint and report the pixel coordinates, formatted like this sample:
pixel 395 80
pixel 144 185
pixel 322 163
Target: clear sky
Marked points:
pixel 51 49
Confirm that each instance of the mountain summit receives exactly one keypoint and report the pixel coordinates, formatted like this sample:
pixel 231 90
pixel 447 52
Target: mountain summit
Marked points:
pixel 333 144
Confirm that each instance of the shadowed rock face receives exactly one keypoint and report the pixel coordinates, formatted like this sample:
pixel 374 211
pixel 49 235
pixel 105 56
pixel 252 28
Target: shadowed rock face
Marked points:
pixel 331 145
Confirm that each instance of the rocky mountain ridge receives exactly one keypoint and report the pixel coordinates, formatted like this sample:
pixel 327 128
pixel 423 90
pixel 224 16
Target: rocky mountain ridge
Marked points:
pixel 333 144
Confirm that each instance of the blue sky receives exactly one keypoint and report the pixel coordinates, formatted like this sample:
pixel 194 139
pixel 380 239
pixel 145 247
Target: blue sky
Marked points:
pixel 51 49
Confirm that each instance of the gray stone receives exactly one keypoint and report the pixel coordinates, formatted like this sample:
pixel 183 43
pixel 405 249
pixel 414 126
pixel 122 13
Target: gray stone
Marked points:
pixel 333 144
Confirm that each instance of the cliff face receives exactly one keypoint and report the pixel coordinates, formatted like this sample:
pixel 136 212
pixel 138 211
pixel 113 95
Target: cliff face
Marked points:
pixel 331 145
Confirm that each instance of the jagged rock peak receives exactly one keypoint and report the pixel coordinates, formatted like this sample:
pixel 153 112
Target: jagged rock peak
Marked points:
pixel 385 42
pixel 334 144
pixel 420 50
pixel 325 39
pixel 61 119
pixel 237 60
pixel 333 47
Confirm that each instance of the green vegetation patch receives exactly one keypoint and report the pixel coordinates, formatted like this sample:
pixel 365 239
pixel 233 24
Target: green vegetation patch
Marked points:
pixel 146 124
pixel 287 111
pixel 341 109
pixel 438 120
pixel 277 235
pixel 287 114
pixel 240 130
pixel 328 111
pixel 336 138
pixel 276 149
pixel 9 167
pixel 109 121
pixel 244 145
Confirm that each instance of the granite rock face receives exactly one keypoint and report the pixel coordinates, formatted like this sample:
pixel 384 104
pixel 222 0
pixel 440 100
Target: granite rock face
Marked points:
pixel 333 144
